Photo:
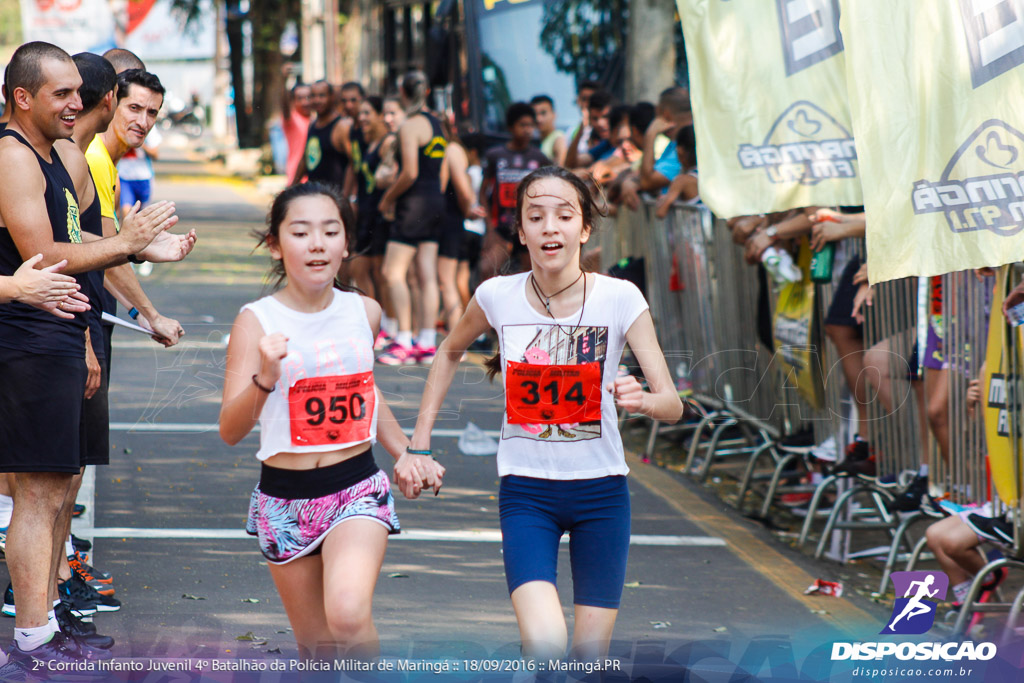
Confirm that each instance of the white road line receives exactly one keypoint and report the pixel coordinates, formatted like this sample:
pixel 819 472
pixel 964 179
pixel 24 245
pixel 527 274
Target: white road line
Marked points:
pixel 202 428
pixel 456 535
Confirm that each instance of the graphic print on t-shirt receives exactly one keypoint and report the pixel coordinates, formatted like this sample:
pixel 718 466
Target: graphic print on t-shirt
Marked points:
pixel 542 344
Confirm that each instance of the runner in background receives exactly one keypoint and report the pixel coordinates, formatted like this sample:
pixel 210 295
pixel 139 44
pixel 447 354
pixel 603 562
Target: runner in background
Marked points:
pixel 372 231
pixel 295 115
pixel 552 141
pixel 504 166
pixel 460 205
pixel 560 458
pixel 327 141
pixel 135 171
pixel 322 510
pixel 417 205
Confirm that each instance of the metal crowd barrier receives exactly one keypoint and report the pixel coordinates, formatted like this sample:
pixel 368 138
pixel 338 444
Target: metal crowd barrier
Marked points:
pixel 704 300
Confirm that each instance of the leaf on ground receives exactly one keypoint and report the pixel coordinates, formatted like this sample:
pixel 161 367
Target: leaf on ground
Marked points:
pixel 248 637
pixel 274 651
pixel 720 629
pixel 252 600
pixel 189 596
pixel 819 611
pixel 661 624
pixel 398 575
pixel 633 584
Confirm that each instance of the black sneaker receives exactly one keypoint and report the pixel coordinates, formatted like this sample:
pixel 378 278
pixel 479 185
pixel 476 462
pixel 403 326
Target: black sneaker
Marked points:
pixel 84 597
pixel 77 599
pixel 858 460
pixel 78 510
pixel 15 672
pixel 80 544
pixel 999 530
pixel 8 608
pixel 910 498
pixel 84 633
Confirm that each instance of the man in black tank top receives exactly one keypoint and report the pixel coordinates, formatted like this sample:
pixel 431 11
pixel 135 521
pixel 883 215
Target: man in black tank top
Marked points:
pixel 42 357
pixel 327 143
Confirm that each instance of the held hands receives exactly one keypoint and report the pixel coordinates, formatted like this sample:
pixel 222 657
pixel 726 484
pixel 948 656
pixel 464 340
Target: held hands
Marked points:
pixel 628 393
pixel 413 473
pixel 140 228
pixel 48 290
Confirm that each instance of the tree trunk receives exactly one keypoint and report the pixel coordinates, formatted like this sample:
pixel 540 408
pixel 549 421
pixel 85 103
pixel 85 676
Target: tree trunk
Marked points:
pixel 650 49
pixel 236 56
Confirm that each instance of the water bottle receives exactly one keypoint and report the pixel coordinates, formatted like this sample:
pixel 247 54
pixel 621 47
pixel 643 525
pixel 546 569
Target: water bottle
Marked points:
pixel 780 266
pixel 821 263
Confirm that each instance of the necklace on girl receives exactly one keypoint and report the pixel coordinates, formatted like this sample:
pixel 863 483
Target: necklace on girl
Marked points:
pixel 546 300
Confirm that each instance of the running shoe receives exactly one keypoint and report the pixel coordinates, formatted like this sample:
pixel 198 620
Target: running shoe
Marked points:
pixel 80 544
pixel 424 354
pixel 3 538
pixel 8 608
pixel 57 654
pixel 88 572
pixel 78 510
pixel 858 460
pixel 102 603
pixel 397 354
pixel 15 672
pixel 101 588
pixel 81 631
pixel 826 450
pixel 998 530
pixel 909 499
pixel 382 341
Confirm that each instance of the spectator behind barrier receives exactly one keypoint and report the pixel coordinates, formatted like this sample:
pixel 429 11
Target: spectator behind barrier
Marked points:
pixel 553 142
pixel 684 186
pixel 599 145
pixel 607 170
pixel 673 112
pixel 583 131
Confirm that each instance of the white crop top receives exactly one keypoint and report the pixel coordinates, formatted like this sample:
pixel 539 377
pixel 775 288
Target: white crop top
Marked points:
pixel 323 400
pixel 586 449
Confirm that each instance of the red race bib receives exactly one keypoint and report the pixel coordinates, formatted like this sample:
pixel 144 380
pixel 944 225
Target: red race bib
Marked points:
pixel 552 394
pixel 327 410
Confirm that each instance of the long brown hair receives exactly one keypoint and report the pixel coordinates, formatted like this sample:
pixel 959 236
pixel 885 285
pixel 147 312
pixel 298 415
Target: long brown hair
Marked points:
pixel 592 205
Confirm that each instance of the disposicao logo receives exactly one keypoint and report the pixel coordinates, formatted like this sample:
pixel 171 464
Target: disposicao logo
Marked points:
pixel 982 187
pixel 913 614
pixel 805 145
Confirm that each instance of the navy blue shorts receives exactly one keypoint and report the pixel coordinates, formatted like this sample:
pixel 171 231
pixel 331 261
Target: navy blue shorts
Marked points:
pixel 536 512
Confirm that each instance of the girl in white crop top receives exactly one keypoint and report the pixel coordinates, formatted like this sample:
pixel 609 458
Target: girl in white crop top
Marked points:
pixel 300 362
pixel 561 333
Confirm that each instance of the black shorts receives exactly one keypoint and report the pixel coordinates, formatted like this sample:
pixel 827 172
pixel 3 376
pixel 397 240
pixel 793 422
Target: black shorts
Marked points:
pixel 452 228
pixel 470 249
pixel 41 426
pixel 418 219
pixel 96 415
pixel 371 234
pixel 840 311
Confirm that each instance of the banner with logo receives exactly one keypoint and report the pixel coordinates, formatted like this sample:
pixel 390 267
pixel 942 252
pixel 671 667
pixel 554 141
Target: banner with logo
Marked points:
pixel 768 86
pixel 794 324
pixel 75 25
pixel 937 99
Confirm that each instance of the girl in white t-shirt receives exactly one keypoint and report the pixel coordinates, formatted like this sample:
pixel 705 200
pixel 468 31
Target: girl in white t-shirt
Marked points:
pixel 300 362
pixel 561 332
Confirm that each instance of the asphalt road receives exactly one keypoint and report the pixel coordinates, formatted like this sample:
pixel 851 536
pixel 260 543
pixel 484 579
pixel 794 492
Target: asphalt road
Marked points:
pixel 167 515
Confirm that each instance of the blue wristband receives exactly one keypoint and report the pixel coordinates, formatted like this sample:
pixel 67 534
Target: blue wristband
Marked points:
pixel 134 313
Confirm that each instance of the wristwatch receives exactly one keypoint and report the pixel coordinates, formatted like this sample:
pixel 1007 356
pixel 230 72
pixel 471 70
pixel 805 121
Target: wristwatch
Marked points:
pixel 772 232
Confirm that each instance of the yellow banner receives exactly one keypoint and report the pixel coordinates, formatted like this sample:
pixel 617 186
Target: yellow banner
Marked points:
pixel 793 330
pixel 937 99
pixel 768 86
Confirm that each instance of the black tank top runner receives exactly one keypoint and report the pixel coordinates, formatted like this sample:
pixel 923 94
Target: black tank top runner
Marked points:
pixel 323 162
pixel 24 327
pixel 428 180
pixel 368 158
pixel 92 222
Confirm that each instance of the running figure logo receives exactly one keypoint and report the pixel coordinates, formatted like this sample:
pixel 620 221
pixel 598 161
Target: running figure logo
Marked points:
pixel 914 612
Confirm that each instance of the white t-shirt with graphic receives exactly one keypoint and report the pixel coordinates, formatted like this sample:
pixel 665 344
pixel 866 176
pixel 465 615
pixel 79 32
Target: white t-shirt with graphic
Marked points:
pixel 579 450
